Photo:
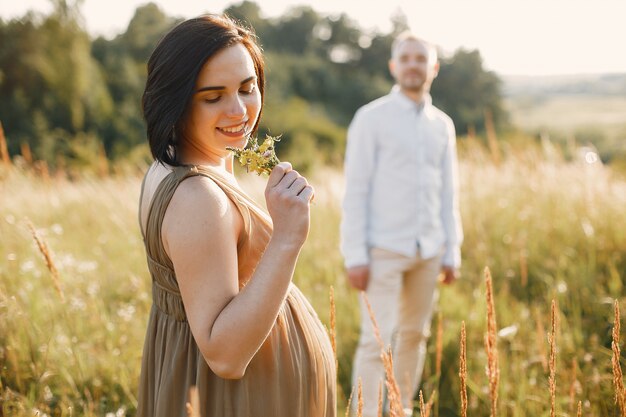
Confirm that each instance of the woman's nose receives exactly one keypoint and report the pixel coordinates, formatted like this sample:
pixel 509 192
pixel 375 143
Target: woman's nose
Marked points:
pixel 237 107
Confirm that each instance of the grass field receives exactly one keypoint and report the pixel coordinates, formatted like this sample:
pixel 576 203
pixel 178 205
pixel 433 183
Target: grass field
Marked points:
pixel 570 114
pixel 547 229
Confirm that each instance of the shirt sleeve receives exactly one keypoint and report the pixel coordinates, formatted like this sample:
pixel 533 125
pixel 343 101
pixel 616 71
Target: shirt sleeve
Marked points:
pixel 359 166
pixel 450 214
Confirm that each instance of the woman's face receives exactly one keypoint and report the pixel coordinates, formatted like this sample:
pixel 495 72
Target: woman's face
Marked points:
pixel 225 105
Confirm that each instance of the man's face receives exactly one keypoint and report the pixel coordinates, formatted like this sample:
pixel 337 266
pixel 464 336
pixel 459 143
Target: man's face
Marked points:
pixel 412 66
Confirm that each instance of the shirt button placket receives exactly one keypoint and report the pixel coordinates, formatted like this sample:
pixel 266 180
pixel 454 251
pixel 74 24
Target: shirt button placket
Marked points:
pixel 419 200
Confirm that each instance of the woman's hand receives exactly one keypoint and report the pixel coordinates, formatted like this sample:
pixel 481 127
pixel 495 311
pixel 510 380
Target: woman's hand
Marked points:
pixel 288 196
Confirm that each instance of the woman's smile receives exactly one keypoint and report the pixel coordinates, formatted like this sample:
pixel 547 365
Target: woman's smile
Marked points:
pixel 234 131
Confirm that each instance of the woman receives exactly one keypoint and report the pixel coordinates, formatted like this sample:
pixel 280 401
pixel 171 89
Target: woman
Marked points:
pixel 226 317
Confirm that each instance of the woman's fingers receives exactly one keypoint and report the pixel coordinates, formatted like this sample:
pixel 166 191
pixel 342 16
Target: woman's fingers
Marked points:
pixel 278 173
pixel 307 193
pixel 288 182
pixel 298 185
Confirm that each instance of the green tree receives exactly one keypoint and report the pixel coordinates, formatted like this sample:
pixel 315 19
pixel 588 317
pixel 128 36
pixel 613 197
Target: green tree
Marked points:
pixel 465 90
pixel 124 61
pixel 375 57
pixel 65 94
pixel 294 32
pixel 249 13
pixel 147 26
pixel 50 82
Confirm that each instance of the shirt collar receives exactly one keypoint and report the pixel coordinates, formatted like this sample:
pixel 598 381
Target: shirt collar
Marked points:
pixel 407 103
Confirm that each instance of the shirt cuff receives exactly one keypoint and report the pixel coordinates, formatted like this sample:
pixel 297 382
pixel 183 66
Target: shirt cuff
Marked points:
pixel 452 257
pixel 356 257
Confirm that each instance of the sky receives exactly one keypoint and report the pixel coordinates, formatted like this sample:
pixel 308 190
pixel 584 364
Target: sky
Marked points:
pixel 514 37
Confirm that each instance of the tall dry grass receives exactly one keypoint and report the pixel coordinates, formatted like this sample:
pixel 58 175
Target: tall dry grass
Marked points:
pixel 45 252
pixel 491 345
pixel 424 407
pixel 333 325
pixel 552 379
pixel 463 371
pixel 349 404
pixel 618 380
pixel 548 229
pixel 359 405
pixel 396 409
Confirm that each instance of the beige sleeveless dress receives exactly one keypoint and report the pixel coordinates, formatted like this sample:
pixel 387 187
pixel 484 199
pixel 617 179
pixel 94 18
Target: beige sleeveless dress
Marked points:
pixel 292 374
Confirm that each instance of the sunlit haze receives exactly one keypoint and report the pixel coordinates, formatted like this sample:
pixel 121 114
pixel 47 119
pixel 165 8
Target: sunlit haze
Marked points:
pixel 514 37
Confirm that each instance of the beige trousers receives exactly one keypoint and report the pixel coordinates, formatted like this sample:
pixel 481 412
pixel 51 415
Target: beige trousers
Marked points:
pixel 402 292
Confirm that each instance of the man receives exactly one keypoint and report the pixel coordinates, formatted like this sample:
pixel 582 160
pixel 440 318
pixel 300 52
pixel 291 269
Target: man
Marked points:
pixel 401 226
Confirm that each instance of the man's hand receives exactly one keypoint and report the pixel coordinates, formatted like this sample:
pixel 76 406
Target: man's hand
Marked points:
pixel 449 274
pixel 359 276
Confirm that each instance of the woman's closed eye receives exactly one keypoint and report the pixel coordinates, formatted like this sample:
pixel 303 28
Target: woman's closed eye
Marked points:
pixel 212 99
pixel 248 89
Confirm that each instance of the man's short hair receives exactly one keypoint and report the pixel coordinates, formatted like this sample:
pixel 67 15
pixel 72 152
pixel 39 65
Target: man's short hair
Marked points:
pixel 408 35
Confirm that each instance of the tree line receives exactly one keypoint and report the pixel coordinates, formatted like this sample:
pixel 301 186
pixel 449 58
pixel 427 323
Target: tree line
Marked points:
pixel 69 97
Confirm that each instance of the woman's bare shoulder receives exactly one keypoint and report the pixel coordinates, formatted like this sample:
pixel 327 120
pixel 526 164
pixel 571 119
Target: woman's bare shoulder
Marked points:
pixel 201 195
pixel 200 213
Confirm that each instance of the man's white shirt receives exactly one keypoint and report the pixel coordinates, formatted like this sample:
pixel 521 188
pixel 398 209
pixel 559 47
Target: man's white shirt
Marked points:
pixel 401 182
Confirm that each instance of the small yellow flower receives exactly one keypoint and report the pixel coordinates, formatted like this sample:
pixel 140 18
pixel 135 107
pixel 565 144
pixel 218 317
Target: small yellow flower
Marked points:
pixel 258 158
pixel 253 165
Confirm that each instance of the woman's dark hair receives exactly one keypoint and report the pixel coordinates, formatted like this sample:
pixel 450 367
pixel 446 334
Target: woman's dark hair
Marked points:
pixel 173 69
